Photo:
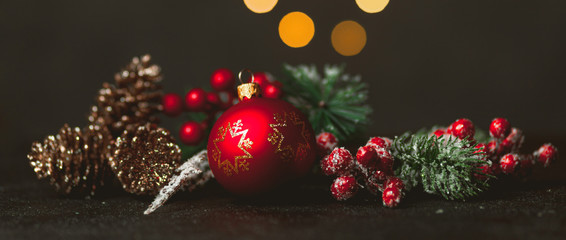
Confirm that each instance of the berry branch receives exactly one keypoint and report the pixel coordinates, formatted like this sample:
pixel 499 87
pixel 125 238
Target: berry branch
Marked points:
pixel 442 166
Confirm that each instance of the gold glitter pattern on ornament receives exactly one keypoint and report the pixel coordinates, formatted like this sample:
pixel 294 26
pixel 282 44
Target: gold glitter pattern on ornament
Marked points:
pixel 244 144
pixel 287 152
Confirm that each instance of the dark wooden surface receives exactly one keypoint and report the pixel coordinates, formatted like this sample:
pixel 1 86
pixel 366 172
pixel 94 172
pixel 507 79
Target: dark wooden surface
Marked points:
pixel 511 209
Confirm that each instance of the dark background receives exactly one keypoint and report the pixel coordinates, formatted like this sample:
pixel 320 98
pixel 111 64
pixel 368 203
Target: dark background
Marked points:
pixel 427 62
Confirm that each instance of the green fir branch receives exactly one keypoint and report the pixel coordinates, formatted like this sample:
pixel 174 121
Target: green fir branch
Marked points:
pixel 335 102
pixel 442 166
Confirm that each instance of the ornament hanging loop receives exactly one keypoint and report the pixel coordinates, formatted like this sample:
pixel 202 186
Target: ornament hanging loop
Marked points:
pixel 248 90
pixel 244 71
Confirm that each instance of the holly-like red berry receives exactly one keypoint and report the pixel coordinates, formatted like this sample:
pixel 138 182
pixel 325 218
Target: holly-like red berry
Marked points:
pixel 261 78
pixel 509 163
pixel 481 151
pixel 499 128
pixel 379 142
pixel 513 142
pixel 338 162
pixel 195 100
pixel 271 91
pixel 439 132
pixel 326 142
pixel 375 181
pixel 463 129
pixel 213 99
pixel 191 133
pixel 546 154
pixel 526 164
pixel 394 182
pixel 344 187
pixel 384 160
pixel 391 197
pixel 172 104
pixel 484 170
pixel 366 157
pixel 222 79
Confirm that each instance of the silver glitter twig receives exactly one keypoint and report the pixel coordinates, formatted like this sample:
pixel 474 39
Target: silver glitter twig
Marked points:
pixel 193 173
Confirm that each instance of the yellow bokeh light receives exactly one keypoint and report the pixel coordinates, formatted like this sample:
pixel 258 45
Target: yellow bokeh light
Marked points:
pixel 372 6
pixel 296 29
pixel 260 6
pixel 348 38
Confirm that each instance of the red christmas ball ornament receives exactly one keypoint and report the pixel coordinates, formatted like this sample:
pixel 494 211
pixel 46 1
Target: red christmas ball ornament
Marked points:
pixel 326 142
pixel 344 188
pixel 546 154
pixel 271 91
pixel 191 133
pixel 195 100
pixel 463 129
pixel 222 79
pixel 260 143
pixel 509 163
pixel 499 128
pixel 172 104
pixel 338 162
pixel 391 197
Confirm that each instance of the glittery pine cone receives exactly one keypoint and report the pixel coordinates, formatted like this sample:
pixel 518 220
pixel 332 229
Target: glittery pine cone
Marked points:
pixel 74 160
pixel 132 101
pixel 145 159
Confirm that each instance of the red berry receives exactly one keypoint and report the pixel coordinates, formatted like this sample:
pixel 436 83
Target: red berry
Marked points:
pixel 191 133
pixel 491 148
pixel 499 128
pixel 391 197
pixel 271 91
pixel 277 84
pixel 546 154
pixel 222 79
pixel 385 161
pixel 375 181
pixel 172 104
pixel 482 151
pixel 526 164
pixel 485 169
pixel 338 162
pixel 509 163
pixel 326 142
pixel 260 78
pixel 379 142
pixel 394 182
pixel 463 129
pixel 227 99
pixel 344 187
pixel 195 100
pixel 213 99
pixel 366 156
pixel 439 132
pixel 513 141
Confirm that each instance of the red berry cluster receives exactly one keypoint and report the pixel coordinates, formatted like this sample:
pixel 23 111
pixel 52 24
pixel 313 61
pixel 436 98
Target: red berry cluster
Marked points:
pixel 372 167
pixel 501 153
pixel 221 98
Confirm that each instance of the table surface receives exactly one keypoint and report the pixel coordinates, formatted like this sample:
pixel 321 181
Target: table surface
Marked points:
pixel 510 209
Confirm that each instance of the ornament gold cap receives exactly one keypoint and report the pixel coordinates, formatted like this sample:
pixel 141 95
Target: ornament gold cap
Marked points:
pixel 248 90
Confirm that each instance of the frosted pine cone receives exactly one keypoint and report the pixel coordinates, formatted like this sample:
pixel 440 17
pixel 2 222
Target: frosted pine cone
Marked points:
pixel 132 101
pixel 73 160
pixel 145 159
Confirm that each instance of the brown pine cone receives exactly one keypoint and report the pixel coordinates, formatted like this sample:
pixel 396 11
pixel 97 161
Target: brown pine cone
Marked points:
pixel 145 159
pixel 132 101
pixel 75 161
